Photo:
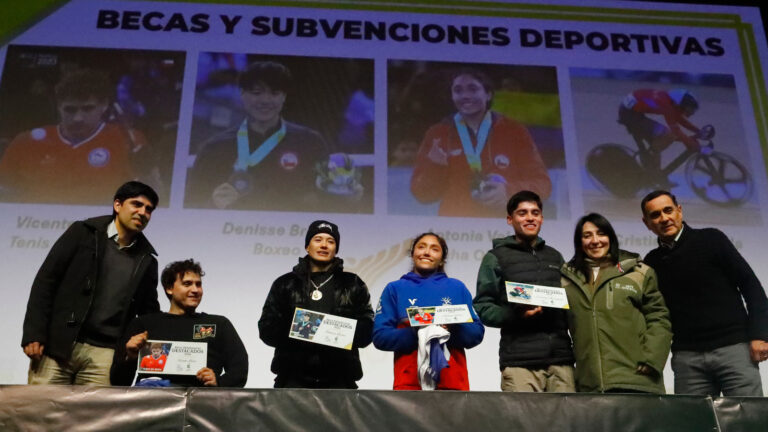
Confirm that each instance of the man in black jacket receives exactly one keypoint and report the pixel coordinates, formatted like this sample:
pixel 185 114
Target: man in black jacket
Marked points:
pixel 535 351
pixel 99 273
pixel 717 343
pixel 227 361
pixel 320 284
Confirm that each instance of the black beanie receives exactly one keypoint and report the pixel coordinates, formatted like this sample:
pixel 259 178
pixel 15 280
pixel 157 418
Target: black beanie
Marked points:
pixel 321 226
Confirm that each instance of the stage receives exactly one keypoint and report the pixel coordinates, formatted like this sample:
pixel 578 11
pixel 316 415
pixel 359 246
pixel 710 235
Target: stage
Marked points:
pixel 59 408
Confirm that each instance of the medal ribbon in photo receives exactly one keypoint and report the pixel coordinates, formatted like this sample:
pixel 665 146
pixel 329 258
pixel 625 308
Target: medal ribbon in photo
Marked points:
pixel 473 153
pixel 245 158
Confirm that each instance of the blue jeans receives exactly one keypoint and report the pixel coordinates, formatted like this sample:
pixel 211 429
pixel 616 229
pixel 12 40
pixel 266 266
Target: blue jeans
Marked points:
pixel 727 369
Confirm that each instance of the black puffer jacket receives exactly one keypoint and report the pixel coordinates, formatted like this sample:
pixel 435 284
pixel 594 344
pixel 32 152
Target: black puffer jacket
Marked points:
pixel 305 360
pixel 541 340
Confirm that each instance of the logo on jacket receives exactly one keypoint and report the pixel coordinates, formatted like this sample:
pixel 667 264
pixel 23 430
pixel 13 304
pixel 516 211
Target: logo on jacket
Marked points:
pixel 412 301
pixel 626 287
pixel 202 331
pixel 501 161
pixel 98 157
pixel 447 300
pixel 38 134
pixel 289 161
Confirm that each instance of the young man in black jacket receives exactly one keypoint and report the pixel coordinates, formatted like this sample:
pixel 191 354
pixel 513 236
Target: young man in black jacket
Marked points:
pixel 227 362
pixel 100 273
pixel 717 343
pixel 317 283
pixel 535 351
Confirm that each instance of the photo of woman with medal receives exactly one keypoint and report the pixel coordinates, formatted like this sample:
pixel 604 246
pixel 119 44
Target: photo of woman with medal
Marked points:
pixel 317 283
pixel 425 286
pixel 473 160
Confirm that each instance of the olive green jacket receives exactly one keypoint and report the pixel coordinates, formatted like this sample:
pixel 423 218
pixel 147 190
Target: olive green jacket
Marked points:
pixel 621 324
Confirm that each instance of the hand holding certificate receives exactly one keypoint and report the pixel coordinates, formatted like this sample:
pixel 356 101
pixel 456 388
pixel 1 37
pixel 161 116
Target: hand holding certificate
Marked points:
pixel 172 357
pixel 536 295
pixel 322 328
pixel 445 314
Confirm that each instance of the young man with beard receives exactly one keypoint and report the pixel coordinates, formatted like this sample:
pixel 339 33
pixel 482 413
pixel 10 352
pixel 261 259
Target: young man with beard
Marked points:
pixel 535 352
pixel 100 273
pixel 227 362
pixel 320 284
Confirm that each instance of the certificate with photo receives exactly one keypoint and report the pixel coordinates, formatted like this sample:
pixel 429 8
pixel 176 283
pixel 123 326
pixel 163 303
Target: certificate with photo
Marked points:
pixel 172 357
pixel 536 295
pixel 322 328
pixel 420 316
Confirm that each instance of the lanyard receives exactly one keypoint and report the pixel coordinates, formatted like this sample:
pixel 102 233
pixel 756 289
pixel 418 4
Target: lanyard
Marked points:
pixel 245 158
pixel 473 153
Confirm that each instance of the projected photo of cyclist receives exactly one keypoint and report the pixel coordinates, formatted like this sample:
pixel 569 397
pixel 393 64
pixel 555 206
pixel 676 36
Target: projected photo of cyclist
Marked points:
pixel 76 123
pixel 639 131
pixel 464 137
pixel 282 133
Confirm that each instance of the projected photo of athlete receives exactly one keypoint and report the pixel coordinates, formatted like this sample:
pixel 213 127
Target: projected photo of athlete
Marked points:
pixel 83 122
pixel 476 154
pixel 263 159
pixel 663 136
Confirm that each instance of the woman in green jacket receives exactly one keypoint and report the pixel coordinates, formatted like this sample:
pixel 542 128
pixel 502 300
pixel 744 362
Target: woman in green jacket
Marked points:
pixel 617 317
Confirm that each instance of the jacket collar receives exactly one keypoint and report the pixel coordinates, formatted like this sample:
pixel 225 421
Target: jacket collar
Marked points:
pixel 514 243
pixel 100 224
pixel 302 268
pixel 681 236
pixel 627 262
pixel 419 279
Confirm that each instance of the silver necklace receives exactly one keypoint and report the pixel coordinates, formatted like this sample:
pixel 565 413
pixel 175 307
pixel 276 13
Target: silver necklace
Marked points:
pixel 317 294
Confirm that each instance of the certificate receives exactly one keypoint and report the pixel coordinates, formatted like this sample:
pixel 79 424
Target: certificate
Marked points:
pixel 445 314
pixel 536 295
pixel 172 357
pixel 421 315
pixel 322 328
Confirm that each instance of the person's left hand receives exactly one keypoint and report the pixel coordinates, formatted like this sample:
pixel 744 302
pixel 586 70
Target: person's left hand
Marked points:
pixel 224 195
pixel 532 311
pixel 494 194
pixel 758 350
pixel 644 369
pixel 207 377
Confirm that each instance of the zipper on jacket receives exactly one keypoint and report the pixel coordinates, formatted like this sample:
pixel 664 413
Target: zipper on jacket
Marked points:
pixel 597 344
pixel 609 298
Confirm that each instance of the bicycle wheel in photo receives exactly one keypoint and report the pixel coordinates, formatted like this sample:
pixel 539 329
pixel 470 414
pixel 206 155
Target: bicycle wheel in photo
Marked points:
pixel 613 168
pixel 719 179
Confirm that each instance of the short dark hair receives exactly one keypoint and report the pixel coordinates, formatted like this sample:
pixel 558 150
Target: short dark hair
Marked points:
pixel 655 194
pixel 83 84
pixel 177 269
pixel 272 74
pixel 579 257
pixel 523 196
pixel 440 240
pixel 133 189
